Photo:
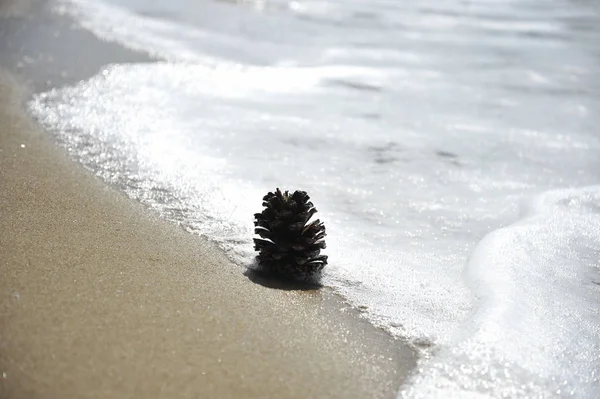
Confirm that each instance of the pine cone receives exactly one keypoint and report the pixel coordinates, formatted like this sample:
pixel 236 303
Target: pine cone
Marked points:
pixel 289 246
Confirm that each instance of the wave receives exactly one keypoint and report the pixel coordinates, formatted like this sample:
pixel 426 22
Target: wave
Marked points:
pixel 536 328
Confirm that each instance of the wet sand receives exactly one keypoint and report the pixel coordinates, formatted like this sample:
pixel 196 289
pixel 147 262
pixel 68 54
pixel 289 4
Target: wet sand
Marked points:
pixel 99 298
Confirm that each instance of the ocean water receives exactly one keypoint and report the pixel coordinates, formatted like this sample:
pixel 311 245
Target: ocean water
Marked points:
pixel 452 149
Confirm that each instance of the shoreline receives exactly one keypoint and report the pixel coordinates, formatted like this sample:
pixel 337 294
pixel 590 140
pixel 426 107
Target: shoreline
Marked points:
pixel 104 299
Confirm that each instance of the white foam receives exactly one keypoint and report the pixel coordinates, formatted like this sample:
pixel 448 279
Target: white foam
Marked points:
pixel 536 331
pixel 154 36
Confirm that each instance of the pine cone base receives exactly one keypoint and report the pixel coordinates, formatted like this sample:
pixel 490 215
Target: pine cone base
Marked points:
pixel 291 269
pixel 290 245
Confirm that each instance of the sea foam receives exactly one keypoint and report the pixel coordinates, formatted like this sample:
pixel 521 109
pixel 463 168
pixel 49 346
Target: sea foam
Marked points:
pixel 536 328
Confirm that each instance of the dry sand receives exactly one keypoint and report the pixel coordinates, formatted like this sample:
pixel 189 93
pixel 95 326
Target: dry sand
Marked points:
pixel 100 299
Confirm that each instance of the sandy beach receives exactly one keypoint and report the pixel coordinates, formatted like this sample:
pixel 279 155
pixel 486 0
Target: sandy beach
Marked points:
pixel 100 298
